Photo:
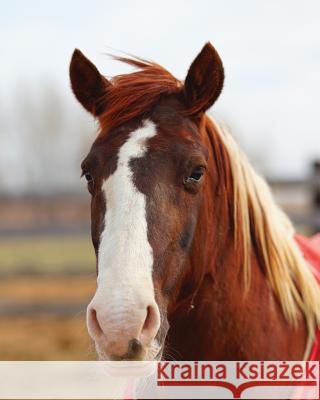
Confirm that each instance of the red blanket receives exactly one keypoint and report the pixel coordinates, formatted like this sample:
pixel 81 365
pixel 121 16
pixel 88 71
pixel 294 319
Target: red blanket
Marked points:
pixel 310 248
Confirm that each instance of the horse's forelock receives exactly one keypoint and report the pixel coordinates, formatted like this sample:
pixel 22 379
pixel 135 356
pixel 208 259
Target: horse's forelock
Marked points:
pixel 134 94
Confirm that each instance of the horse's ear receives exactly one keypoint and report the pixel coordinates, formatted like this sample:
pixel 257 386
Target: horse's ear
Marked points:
pixel 88 85
pixel 204 80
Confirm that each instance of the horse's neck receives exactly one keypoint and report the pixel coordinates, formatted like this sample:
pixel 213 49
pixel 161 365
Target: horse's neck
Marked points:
pixel 215 320
pixel 214 317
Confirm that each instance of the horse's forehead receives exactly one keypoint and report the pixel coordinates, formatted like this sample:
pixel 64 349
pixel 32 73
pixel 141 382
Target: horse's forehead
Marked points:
pixel 147 141
pixel 115 154
pixel 119 187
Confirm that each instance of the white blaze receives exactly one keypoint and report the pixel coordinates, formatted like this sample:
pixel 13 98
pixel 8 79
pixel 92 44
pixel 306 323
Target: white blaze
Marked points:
pixel 125 256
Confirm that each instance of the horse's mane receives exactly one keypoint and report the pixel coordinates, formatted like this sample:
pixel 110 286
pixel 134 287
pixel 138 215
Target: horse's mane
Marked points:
pixel 258 222
pixel 131 95
pixel 261 225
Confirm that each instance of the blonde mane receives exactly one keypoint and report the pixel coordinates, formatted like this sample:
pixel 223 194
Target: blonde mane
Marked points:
pixel 259 220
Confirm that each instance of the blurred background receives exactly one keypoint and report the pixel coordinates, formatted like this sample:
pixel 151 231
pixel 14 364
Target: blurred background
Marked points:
pixel 271 52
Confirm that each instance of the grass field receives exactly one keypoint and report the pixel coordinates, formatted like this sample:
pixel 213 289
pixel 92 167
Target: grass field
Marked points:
pixel 45 336
pixel 44 271
pixel 46 254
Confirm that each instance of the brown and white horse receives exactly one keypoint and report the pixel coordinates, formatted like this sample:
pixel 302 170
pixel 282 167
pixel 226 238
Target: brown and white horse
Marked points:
pixel 194 259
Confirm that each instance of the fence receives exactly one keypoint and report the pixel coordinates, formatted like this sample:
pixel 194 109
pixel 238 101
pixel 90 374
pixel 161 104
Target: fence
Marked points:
pixel 301 199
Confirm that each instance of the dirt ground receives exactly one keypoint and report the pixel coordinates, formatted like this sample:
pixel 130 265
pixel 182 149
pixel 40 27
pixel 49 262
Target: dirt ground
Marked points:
pixel 47 289
pixel 45 336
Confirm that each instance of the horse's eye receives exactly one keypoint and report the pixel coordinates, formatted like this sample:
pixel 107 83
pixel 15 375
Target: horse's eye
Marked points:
pixel 196 175
pixel 88 177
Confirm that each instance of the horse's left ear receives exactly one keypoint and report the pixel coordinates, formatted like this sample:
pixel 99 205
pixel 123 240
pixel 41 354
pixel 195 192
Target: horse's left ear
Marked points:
pixel 204 80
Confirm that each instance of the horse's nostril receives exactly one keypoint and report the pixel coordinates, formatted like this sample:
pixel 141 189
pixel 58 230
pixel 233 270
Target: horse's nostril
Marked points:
pixel 150 323
pixel 94 323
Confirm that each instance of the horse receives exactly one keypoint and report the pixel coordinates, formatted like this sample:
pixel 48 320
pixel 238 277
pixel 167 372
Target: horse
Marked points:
pixel 194 259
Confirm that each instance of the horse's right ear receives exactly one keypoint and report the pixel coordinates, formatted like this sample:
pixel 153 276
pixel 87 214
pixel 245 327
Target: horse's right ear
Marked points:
pixel 88 85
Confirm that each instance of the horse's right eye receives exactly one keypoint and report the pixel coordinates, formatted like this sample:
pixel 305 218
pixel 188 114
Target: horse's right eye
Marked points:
pixel 88 177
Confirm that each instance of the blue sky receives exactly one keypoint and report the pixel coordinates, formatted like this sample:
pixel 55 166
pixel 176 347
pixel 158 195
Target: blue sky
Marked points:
pixel 271 53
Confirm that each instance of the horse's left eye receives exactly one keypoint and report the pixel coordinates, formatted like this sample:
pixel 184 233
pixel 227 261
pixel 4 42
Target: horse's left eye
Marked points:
pixel 196 175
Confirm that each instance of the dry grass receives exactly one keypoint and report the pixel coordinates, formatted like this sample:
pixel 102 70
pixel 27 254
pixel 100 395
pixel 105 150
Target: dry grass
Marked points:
pixel 46 337
pixel 42 254
pixel 32 272
pixel 48 289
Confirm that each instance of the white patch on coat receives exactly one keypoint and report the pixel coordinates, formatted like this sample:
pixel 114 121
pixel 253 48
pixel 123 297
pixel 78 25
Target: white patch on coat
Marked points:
pixel 124 245
pixel 125 258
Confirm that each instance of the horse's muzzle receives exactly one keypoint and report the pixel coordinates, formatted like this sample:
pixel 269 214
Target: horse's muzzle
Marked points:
pixel 124 332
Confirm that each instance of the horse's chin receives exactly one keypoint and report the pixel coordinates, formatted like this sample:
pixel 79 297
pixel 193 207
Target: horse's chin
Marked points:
pixel 150 353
